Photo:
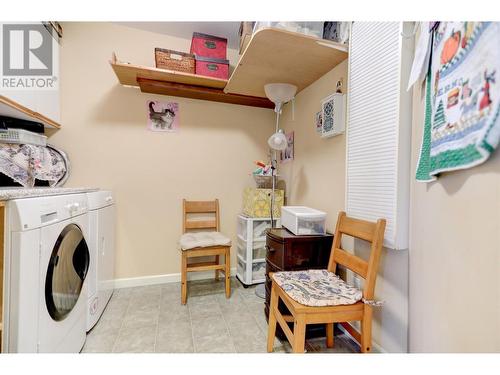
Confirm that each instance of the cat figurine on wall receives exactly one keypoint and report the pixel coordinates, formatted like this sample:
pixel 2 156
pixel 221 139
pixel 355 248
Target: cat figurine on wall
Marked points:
pixel 164 119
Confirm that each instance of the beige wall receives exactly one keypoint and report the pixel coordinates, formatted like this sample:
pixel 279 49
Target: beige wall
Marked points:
pixel 317 175
pixel 316 178
pixel 454 256
pixel 104 133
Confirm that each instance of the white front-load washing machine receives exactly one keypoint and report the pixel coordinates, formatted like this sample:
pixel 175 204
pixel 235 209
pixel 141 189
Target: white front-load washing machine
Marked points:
pixel 48 260
pixel 100 278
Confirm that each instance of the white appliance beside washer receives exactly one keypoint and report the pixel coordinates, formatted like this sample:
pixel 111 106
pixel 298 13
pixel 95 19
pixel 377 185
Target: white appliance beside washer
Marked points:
pixel 100 279
pixel 48 260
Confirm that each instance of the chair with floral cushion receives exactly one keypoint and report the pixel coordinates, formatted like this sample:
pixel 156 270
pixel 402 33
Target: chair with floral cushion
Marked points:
pixel 320 296
pixel 201 238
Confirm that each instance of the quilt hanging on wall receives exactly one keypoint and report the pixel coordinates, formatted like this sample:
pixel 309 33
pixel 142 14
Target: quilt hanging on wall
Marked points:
pixel 462 103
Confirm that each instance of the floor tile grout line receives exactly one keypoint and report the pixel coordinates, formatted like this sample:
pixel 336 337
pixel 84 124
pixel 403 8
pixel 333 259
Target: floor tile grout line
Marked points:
pixel 227 326
pixel 157 331
pixel 247 302
pixel 265 333
pixel 191 324
pixel 121 325
pixel 129 307
pixel 262 331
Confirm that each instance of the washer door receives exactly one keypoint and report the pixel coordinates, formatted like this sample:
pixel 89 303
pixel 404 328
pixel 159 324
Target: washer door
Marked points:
pixel 68 266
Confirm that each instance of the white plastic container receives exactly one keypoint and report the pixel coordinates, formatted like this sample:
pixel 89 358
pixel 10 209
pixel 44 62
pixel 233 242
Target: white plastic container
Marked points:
pixel 255 271
pixel 307 28
pixel 301 220
pixel 251 248
pixel 22 136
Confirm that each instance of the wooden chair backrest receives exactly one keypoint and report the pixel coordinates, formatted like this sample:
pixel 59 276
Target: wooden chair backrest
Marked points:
pixel 365 230
pixel 200 207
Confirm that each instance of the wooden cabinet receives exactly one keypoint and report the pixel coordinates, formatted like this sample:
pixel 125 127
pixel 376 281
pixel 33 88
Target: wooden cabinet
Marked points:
pixel 45 103
pixel 11 108
pixel 288 252
pixel 41 105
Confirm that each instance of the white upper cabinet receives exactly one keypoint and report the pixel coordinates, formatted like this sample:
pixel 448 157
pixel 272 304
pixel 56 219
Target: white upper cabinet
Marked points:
pixel 379 127
pixel 29 68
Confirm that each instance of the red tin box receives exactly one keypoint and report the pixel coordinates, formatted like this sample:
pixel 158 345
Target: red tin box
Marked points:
pixel 208 46
pixel 217 68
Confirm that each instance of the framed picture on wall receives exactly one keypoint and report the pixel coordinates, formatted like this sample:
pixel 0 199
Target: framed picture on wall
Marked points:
pixel 163 116
pixel 318 120
pixel 287 154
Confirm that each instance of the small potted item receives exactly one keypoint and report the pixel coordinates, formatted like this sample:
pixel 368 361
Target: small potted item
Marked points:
pixel 208 46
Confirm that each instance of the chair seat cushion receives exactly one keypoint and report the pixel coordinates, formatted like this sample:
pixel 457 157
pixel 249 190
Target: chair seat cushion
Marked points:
pixel 317 288
pixel 203 239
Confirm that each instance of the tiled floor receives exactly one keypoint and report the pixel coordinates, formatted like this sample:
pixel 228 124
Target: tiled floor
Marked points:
pixel 152 319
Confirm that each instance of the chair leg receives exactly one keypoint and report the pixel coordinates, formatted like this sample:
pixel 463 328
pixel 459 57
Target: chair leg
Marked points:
pixel 227 260
pixel 299 334
pixel 271 330
pixel 217 271
pixel 184 278
pixel 329 335
pixel 366 330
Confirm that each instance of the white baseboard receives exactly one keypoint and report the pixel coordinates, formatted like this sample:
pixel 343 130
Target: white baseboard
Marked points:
pixel 377 347
pixel 164 279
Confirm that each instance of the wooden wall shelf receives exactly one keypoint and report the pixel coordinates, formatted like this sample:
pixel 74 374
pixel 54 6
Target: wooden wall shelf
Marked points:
pixel 203 93
pixel 168 82
pixel 127 74
pixel 10 108
pixel 275 55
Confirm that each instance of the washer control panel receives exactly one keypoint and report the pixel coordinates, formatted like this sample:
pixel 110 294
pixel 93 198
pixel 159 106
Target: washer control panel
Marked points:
pixel 31 213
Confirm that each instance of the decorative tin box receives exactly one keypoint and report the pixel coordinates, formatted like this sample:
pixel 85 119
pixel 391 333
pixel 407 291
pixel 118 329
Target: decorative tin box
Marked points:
pixel 209 46
pixel 257 202
pixel 207 66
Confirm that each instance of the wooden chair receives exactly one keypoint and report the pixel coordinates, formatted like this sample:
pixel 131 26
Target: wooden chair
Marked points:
pixel 203 243
pixel 301 314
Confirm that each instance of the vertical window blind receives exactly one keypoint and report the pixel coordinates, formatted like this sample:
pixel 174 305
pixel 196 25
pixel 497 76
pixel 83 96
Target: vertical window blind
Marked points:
pixel 378 131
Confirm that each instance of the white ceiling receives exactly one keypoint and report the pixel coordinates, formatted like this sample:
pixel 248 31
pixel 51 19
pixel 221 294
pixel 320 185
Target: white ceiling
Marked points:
pixel 185 30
